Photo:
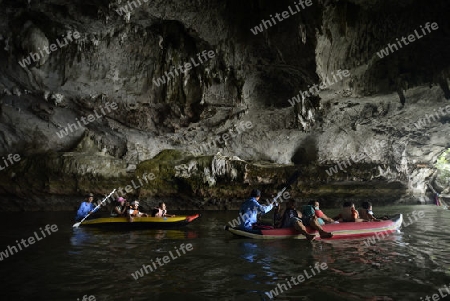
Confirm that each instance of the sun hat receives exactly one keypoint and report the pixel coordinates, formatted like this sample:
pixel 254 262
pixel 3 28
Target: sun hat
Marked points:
pixel 134 203
pixel 121 199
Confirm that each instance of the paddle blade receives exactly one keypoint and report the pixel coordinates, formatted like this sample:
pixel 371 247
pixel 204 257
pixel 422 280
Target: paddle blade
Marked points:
pixel 293 178
pixel 76 225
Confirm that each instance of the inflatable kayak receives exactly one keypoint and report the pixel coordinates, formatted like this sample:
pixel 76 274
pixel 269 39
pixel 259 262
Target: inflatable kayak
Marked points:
pixel 141 222
pixel 340 231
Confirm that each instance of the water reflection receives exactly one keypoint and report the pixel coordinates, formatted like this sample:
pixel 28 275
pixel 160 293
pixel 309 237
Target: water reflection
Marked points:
pixel 404 266
pixel 81 236
pixel 248 251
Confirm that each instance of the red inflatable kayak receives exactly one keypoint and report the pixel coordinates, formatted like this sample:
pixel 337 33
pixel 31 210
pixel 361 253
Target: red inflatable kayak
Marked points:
pixel 340 231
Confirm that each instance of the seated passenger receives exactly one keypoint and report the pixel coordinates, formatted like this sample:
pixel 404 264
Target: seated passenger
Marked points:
pixel 278 215
pixel 161 211
pixel 120 209
pixel 309 219
pixel 321 217
pixel 349 213
pixel 133 211
pixel 291 218
pixel 366 212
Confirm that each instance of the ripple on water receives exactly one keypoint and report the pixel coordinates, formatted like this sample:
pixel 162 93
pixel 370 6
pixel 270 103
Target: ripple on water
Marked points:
pixel 404 266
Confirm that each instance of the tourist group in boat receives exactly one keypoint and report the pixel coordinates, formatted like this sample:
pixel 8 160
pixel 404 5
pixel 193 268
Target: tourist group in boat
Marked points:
pixel 309 215
pixel 122 208
pixel 306 221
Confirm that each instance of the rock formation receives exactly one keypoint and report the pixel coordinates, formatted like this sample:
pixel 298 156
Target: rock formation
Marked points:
pixel 214 97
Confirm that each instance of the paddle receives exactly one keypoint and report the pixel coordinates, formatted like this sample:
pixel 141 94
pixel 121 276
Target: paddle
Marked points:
pixel 76 225
pixel 437 200
pixel 289 182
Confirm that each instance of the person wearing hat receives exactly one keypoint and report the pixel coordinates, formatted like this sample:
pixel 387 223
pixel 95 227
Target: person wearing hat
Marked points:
pixel 134 211
pixel 250 208
pixel 120 208
pixel 86 207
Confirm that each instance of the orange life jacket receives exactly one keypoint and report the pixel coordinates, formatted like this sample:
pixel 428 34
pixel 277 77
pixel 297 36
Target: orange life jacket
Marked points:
pixel 354 213
pixel 134 212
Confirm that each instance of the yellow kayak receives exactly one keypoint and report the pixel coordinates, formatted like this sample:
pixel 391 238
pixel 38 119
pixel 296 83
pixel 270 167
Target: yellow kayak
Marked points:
pixel 141 222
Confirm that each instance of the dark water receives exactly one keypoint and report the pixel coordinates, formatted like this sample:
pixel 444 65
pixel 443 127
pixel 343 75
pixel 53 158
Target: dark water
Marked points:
pixel 70 264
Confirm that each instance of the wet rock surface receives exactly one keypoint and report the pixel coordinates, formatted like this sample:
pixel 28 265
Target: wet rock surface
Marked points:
pixel 95 95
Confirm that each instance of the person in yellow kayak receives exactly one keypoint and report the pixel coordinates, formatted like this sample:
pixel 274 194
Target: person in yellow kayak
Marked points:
pixel 134 211
pixel 86 207
pixel 120 209
pixel 161 211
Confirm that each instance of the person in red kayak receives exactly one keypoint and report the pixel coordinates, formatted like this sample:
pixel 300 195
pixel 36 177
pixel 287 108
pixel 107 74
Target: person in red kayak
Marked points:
pixel 291 218
pixel 322 218
pixel 366 213
pixel 250 208
pixel 309 218
pixel 349 213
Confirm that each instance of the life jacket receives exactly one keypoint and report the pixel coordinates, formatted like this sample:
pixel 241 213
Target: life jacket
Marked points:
pixel 286 220
pixel 133 212
pixel 157 212
pixel 308 211
pixel 113 211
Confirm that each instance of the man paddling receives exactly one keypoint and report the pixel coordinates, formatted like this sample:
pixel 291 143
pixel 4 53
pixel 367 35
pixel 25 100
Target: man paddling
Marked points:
pixel 86 207
pixel 250 208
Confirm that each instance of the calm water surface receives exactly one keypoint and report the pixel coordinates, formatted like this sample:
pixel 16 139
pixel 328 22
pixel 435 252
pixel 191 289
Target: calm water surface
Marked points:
pixel 70 263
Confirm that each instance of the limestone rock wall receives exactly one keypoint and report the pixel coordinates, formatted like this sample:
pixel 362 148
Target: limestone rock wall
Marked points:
pixel 101 88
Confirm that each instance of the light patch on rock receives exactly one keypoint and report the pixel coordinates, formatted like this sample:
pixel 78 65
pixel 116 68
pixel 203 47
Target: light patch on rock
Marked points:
pixel 16 91
pixel 57 99
pixel 34 41
pixel 208 178
pixel 131 167
pixel 186 170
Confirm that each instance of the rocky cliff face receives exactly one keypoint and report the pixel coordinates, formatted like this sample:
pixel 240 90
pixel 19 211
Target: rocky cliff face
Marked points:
pixel 95 95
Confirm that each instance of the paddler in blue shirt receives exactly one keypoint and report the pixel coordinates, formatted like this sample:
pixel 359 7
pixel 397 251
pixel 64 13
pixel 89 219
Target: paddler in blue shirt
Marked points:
pixel 250 209
pixel 86 207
